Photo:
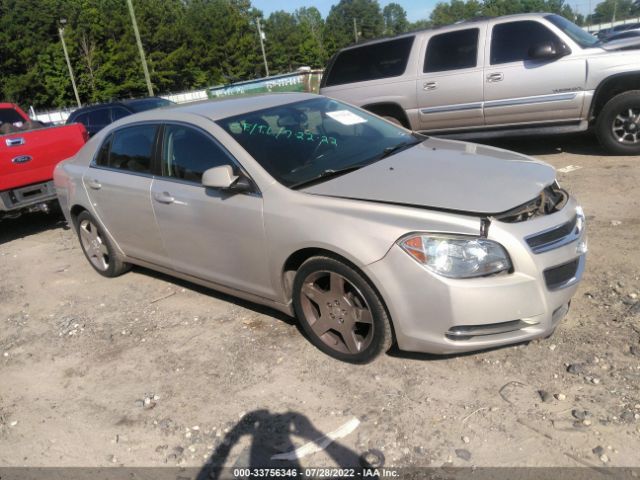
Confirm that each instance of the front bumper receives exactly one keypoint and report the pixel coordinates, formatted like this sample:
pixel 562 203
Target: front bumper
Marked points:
pixel 434 314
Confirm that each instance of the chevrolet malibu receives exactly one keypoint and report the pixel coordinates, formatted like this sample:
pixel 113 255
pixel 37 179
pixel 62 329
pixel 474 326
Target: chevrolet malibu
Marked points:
pixel 368 233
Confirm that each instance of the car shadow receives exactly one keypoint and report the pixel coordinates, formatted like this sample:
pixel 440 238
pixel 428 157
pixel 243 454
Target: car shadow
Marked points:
pixel 30 224
pixel 577 144
pixel 271 434
pixel 262 309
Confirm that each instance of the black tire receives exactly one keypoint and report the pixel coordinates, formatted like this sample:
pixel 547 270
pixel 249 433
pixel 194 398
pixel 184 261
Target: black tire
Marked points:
pixel 607 118
pixel 371 336
pixel 99 251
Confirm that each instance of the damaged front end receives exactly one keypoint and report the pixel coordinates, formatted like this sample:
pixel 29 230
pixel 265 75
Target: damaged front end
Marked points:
pixel 550 200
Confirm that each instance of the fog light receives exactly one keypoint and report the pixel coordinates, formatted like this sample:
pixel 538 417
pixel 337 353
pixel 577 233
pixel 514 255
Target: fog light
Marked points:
pixel 582 247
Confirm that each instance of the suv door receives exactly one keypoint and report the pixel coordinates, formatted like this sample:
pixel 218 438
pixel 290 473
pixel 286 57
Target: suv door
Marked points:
pixel 449 88
pixel 522 89
pixel 211 234
pixel 118 182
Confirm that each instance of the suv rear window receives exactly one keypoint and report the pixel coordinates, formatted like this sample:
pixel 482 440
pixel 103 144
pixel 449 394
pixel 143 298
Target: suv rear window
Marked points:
pixel 452 51
pixel 370 62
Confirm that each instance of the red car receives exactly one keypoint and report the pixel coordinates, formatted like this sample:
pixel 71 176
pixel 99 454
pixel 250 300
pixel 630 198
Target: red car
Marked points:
pixel 29 152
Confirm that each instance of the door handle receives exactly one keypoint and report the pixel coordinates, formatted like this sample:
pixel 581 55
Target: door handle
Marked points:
pixel 163 197
pixel 14 142
pixel 429 85
pixel 95 184
pixel 495 77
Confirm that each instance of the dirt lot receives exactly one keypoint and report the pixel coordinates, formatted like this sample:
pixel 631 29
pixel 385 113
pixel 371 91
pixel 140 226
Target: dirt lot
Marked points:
pixel 145 370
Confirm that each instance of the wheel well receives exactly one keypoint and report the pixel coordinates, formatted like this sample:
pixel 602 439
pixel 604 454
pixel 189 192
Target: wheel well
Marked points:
pixel 611 87
pixel 75 211
pixel 296 259
pixel 389 110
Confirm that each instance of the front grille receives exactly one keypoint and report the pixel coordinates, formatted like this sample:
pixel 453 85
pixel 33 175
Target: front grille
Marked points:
pixel 553 238
pixel 562 275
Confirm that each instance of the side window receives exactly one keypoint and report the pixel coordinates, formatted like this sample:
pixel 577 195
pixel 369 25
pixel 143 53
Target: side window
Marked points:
pixel 511 42
pixel 452 51
pixel 102 158
pixel 188 153
pixel 370 62
pixel 132 147
pixel 99 117
pixel 118 112
pixel 83 118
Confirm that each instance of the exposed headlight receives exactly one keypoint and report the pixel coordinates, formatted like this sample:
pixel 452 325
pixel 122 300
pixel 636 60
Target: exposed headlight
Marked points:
pixel 457 256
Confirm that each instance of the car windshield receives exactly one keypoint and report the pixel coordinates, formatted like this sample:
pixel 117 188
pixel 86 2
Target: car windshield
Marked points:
pixel 313 140
pixel 577 34
pixel 149 104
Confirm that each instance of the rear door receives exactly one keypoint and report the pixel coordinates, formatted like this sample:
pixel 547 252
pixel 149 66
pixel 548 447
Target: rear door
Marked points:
pixel 210 234
pixel 521 89
pixel 449 88
pixel 118 182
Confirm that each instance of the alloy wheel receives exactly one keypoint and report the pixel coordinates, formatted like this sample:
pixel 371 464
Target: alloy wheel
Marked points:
pixel 337 312
pixel 626 126
pixel 93 245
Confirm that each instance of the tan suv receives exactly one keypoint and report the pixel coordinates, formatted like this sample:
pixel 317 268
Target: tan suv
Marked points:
pixel 512 75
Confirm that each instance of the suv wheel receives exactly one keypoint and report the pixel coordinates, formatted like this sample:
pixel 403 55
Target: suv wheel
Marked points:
pixel 97 248
pixel 618 124
pixel 340 312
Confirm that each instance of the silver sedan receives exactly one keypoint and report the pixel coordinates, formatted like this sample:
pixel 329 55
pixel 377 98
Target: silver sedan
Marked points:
pixel 368 233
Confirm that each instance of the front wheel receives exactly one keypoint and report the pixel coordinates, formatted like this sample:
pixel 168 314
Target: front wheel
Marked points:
pixel 97 247
pixel 618 124
pixel 339 311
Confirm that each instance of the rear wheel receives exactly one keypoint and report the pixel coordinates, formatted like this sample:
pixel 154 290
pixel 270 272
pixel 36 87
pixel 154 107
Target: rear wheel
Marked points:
pixel 340 312
pixel 618 124
pixel 97 247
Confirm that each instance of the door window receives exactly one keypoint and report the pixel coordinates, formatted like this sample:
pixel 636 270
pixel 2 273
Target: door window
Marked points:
pixel 99 117
pixel 187 153
pixel 512 42
pixel 132 148
pixel 452 51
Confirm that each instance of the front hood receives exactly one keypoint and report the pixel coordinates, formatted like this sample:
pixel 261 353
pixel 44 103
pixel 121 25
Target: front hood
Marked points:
pixel 447 175
pixel 622 43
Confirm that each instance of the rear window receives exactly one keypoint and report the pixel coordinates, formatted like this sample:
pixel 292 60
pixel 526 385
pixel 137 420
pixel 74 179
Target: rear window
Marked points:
pixel 370 62
pixel 9 115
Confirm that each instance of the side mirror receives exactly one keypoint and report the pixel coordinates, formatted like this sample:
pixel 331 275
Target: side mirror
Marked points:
pixel 547 50
pixel 223 178
pixel 543 50
pixel 219 177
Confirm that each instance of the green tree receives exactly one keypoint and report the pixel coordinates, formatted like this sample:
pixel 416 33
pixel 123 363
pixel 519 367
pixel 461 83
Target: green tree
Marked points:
pixel 395 19
pixel 610 10
pixel 456 10
pixel 312 49
pixel 339 26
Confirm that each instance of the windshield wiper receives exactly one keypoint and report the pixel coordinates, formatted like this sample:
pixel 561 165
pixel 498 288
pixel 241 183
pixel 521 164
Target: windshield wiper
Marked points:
pixel 327 174
pixel 396 148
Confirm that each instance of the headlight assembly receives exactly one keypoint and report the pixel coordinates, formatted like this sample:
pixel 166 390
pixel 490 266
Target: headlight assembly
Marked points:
pixel 457 256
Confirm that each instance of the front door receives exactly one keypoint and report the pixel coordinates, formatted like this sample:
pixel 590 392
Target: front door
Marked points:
pixel 118 183
pixel 449 88
pixel 521 89
pixel 210 234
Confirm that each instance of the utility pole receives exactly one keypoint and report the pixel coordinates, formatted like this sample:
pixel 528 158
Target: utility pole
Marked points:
pixel 63 22
pixel 613 18
pixel 264 55
pixel 140 49
pixel 355 30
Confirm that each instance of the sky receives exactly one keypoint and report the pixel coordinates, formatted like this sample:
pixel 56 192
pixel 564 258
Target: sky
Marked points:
pixel 416 9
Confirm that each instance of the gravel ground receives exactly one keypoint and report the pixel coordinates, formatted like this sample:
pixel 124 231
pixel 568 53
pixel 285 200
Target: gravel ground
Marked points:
pixel 146 370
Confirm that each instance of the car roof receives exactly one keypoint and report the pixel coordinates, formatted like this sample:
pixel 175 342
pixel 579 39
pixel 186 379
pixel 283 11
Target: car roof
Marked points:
pixel 222 108
pixel 452 26
pixel 118 103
